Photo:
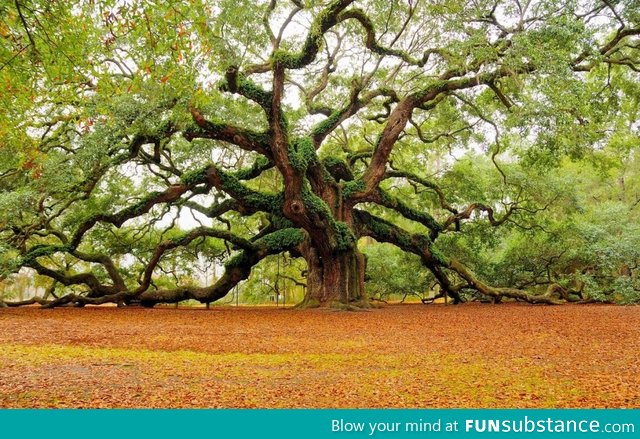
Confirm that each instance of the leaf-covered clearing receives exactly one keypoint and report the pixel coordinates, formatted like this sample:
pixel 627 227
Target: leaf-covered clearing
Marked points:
pixel 397 356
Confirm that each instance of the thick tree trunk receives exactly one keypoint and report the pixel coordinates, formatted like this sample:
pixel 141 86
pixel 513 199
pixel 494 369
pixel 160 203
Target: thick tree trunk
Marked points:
pixel 335 281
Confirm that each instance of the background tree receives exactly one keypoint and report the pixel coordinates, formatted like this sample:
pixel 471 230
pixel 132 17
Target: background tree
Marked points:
pixel 293 127
pixel 583 246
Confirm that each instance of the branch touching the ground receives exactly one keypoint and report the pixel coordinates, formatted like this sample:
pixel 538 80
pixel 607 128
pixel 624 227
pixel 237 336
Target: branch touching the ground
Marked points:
pixel 184 240
pixel 498 292
pixel 237 268
pixel 435 261
pixel 420 245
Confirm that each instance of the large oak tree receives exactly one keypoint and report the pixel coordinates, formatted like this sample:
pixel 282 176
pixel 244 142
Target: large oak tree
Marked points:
pixel 287 126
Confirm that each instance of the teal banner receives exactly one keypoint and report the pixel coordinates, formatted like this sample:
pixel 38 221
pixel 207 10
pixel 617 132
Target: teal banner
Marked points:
pixel 336 424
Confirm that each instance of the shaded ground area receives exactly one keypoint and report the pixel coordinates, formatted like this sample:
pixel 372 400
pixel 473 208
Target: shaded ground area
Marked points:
pixel 398 356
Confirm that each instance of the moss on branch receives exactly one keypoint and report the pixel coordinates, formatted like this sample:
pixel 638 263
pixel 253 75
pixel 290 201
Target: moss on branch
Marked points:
pixel 315 205
pixel 337 168
pixel 371 42
pixel 281 240
pixel 229 183
pixel 324 21
pixel 345 239
pixel 194 177
pixel 260 165
pixel 352 187
pixel 273 243
pixel 41 250
pixel 408 212
pixel 246 139
pixel 321 129
pixel 302 154
pixel 240 259
pixel 239 83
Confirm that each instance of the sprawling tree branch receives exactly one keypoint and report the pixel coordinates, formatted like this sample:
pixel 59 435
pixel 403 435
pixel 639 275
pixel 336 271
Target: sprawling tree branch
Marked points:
pixel 365 75
pixel 384 231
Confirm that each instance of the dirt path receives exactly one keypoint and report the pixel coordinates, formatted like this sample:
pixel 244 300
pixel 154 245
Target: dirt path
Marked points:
pixel 398 356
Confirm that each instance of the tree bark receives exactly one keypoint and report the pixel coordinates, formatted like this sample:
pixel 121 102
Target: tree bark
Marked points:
pixel 335 280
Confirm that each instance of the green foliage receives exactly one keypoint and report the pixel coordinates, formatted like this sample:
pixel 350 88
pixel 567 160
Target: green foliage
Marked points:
pixel 276 274
pixel 108 109
pixel 586 240
pixel 392 273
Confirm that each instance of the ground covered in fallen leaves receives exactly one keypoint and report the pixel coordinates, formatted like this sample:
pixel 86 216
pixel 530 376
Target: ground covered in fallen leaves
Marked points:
pixel 398 356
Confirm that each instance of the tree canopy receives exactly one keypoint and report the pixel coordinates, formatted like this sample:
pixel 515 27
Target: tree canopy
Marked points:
pixel 496 142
